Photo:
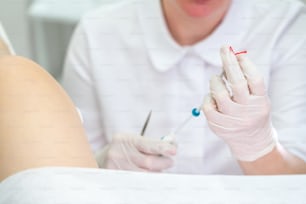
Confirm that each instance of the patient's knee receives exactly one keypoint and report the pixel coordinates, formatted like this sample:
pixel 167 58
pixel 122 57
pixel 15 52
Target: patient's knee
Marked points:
pixel 9 63
pixel 19 68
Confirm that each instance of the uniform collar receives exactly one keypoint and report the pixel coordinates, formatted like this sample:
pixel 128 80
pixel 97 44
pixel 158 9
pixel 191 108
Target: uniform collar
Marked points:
pixel 165 53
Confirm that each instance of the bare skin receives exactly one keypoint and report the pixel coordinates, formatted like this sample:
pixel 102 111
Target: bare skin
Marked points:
pixel 190 21
pixel 279 161
pixel 39 125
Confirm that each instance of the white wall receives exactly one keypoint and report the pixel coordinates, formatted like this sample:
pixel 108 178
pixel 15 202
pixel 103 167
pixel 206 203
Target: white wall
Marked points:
pixel 13 15
pixel 15 19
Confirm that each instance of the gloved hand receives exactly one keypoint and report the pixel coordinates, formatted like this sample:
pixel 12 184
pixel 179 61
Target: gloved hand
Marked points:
pixel 136 153
pixel 243 119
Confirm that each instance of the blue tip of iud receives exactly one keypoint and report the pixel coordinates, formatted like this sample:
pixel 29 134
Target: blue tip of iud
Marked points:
pixel 196 112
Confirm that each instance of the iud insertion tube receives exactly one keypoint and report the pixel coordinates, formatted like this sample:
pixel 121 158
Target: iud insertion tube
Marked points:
pixel 238 53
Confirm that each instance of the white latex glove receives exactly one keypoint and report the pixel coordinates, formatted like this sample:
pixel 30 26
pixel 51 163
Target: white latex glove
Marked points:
pixel 136 153
pixel 243 119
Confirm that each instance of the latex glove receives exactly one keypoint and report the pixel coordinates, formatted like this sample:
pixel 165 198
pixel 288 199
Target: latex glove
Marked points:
pixel 136 153
pixel 243 119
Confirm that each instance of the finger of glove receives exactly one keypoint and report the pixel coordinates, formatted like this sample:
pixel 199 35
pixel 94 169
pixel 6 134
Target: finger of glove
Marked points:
pixel 254 78
pixel 122 156
pixel 115 163
pixel 220 119
pixel 155 147
pixel 221 96
pixel 234 75
pixel 228 107
pixel 212 114
pixel 209 104
pixel 227 126
pixel 152 162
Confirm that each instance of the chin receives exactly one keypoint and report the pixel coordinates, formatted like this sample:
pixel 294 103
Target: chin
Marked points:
pixel 198 8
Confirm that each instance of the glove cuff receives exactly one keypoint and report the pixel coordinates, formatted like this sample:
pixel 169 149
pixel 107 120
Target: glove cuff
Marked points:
pixel 249 155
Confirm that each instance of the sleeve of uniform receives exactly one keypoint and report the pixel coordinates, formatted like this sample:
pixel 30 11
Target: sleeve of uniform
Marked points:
pixel 77 80
pixel 288 85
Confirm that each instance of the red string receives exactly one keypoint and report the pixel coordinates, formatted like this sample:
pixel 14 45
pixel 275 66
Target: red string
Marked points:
pixel 238 53
pixel 242 52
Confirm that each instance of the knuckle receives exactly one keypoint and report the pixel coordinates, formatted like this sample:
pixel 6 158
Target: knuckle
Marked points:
pixel 223 109
pixel 225 106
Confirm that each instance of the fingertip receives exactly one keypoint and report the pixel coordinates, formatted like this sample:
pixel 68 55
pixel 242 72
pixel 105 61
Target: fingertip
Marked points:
pixel 172 150
pixel 225 49
pixel 165 163
pixel 163 147
pixel 169 149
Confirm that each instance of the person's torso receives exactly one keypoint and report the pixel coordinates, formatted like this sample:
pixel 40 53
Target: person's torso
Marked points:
pixel 128 85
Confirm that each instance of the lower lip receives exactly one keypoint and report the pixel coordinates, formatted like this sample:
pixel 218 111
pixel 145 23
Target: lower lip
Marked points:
pixel 199 1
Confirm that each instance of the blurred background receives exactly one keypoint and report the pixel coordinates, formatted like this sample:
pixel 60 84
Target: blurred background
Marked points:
pixel 41 29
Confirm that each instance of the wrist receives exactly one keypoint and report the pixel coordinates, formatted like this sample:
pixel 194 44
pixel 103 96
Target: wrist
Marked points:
pixel 278 161
pixel 251 152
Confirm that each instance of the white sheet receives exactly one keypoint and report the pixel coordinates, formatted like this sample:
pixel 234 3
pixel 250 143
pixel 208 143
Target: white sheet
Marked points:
pixel 80 186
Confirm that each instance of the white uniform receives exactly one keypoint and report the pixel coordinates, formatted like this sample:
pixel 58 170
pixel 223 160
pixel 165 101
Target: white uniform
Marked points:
pixel 5 39
pixel 123 62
